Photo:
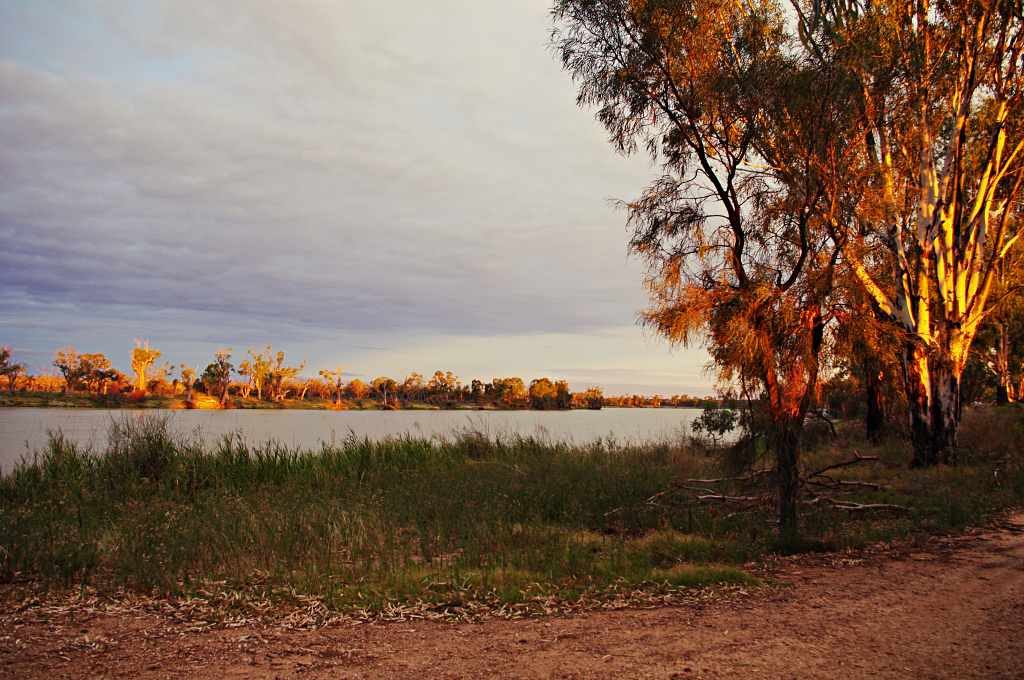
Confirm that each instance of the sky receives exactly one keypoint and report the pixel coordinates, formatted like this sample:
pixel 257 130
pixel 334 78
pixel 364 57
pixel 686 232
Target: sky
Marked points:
pixel 388 187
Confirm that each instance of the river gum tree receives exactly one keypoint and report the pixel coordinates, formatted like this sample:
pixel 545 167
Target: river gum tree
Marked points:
pixel 143 356
pixel 939 86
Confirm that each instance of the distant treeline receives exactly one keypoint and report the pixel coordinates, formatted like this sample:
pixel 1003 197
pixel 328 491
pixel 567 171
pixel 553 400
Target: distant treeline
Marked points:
pixel 266 378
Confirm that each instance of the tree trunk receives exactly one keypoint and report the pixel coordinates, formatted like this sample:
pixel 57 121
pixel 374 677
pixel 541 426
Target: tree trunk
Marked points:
pixel 945 413
pixel 874 419
pixel 917 385
pixel 786 444
pixel 1005 388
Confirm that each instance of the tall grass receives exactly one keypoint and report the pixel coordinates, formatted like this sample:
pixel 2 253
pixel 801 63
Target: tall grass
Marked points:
pixel 364 524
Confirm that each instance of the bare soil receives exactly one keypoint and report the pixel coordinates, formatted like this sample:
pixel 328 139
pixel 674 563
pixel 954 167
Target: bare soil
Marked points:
pixel 953 608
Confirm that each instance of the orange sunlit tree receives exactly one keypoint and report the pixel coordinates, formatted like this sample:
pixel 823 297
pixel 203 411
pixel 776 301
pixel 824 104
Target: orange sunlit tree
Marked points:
pixel 739 254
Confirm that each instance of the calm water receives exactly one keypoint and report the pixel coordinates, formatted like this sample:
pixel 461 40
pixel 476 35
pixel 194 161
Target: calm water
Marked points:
pixel 23 430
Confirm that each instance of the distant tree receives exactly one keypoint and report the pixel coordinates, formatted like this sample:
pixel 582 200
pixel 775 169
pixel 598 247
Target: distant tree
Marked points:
pixel 188 379
pixel 257 369
pixel 279 375
pixel 413 386
pixel 542 393
pixel 509 391
pixel 334 378
pixel 67 362
pixel 563 397
pixel 476 390
pixel 96 372
pixel 8 369
pixel 385 387
pixel 592 398
pixel 305 386
pixel 143 357
pixel 245 369
pixel 357 389
pixel 217 376
pixel 443 384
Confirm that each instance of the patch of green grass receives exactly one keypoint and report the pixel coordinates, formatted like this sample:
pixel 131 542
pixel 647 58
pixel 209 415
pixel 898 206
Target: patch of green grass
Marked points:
pixel 364 524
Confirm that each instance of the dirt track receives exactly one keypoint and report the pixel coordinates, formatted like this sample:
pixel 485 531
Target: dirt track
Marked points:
pixel 954 610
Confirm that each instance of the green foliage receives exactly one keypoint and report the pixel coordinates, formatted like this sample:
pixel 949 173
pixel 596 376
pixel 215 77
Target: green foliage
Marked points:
pixel 715 422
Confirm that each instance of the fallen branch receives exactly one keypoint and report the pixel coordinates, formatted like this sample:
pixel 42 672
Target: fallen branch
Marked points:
pixel 851 506
pixel 745 478
pixel 833 483
pixel 721 498
pixel 846 463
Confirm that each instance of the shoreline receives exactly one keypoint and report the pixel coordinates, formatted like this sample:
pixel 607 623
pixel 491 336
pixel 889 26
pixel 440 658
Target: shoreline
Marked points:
pixel 117 403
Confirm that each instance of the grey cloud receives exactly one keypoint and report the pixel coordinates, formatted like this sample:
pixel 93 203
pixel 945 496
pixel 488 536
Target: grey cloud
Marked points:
pixel 320 167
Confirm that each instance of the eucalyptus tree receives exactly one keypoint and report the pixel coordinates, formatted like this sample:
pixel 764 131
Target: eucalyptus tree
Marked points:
pixel 216 377
pixel 9 368
pixel 279 374
pixel 143 357
pixel 739 255
pixel 188 379
pixel 938 107
pixel 334 379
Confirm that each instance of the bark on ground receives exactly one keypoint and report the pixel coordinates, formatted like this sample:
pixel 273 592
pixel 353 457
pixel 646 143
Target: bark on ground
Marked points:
pixel 953 609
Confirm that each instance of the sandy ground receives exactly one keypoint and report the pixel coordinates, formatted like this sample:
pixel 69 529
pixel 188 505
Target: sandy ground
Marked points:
pixel 954 609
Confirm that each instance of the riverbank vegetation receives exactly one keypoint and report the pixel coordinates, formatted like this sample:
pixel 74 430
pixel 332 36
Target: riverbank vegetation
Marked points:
pixel 264 379
pixel 464 522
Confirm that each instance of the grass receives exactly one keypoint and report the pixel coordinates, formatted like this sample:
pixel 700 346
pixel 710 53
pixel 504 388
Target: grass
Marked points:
pixel 34 399
pixel 364 525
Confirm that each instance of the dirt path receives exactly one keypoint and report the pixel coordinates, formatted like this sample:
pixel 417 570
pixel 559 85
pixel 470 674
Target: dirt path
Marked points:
pixel 954 610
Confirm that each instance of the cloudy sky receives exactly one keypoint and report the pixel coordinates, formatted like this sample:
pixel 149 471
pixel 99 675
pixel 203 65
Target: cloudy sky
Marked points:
pixel 387 186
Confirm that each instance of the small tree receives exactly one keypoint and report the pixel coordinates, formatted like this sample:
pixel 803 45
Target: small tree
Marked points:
pixel 357 389
pixel 188 379
pixel 217 376
pixel 279 375
pixel 715 422
pixel 542 393
pixel 334 377
pixel 8 369
pixel 143 357
pixel 385 387
pixel 67 362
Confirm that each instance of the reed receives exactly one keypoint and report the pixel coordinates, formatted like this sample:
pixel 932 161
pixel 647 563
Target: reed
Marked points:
pixel 364 524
